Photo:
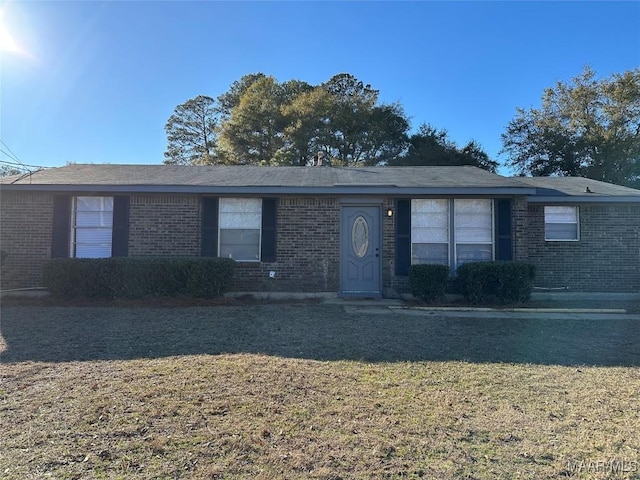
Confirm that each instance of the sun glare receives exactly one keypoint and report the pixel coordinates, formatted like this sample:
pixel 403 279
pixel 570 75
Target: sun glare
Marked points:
pixel 7 42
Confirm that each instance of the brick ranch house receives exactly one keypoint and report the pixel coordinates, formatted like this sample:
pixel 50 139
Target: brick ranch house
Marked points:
pixel 353 231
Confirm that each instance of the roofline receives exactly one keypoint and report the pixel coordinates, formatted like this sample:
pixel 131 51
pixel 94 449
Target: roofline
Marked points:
pixel 272 190
pixel 335 190
pixel 584 199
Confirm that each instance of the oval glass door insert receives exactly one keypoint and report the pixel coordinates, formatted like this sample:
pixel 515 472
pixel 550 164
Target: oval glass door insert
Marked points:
pixel 360 237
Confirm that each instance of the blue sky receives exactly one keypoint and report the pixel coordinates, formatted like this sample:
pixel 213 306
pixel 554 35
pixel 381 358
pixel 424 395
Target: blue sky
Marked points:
pixel 95 82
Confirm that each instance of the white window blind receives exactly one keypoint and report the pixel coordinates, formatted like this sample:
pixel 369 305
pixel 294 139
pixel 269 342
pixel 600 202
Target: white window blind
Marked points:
pixel 561 223
pixel 240 222
pixel 473 220
pixel 92 227
pixel 430 231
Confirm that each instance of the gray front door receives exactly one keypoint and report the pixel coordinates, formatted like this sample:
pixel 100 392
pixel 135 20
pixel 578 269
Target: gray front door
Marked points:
pixel 360 251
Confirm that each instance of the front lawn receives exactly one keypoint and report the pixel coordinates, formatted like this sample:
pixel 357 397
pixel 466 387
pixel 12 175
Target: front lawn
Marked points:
pixel 311 391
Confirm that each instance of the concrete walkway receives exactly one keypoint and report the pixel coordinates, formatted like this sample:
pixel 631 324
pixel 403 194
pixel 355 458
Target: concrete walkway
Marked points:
pixel 527 314
pixel 549 305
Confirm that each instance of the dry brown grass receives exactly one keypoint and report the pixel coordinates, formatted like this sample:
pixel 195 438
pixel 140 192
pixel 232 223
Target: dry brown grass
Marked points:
pixel 95 396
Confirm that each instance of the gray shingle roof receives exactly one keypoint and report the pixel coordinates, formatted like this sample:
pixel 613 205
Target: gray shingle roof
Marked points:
pixel 241 178
pixel 458 180
pixel 550 189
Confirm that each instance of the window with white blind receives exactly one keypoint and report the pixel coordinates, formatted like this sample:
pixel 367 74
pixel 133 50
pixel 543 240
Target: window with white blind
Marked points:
pixel 430 231
pixel 92 227
pixel 473 220
pixel 240 223
pixel 561 223
pixel 451 231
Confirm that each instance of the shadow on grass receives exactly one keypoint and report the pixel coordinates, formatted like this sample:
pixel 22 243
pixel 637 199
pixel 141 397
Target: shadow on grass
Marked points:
pixel 318 332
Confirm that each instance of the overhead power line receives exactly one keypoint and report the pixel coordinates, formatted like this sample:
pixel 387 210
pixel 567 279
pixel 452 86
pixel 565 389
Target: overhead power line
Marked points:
pixel 11 155
pixel 24 166
pixel 14 160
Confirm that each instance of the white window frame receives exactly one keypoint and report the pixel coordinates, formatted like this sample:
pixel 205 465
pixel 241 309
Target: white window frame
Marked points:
pixel 548 209
pixel 76 228
pixel 227 216
pixel 492 242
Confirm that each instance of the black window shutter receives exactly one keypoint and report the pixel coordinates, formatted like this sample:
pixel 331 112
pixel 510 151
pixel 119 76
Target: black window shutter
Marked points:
pixel 503 229
pixel 120 233
pixel 269 229
pixel 209 234
pixel 403 236
pixel 60 236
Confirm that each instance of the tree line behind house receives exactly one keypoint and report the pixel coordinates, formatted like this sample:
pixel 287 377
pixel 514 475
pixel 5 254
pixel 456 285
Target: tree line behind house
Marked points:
pixel 261 121
pixel 585 127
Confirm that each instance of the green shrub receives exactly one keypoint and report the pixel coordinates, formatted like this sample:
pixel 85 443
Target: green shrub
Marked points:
pixel 210 277
pixel 138 277
pixel 507 282
pixel 515 282
pixel 428 282
pixel 473 280
pixel 153 276
pixel 63 278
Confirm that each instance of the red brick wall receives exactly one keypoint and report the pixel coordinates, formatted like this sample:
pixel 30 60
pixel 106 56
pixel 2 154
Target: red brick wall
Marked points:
pixel 26 221
pixel 308 252
pixel 391 284
pixel 164 225
pixel 307 244
pixel 606 258
pixel 308 247
pixel 519 229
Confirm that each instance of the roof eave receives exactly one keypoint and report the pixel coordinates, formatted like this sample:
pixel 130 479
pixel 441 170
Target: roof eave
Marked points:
pixel 271 190
pixel 548 199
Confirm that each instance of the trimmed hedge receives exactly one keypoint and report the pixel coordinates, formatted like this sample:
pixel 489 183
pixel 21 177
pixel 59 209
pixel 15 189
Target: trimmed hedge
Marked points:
pixel 138 277
pixel 428 282
pixel 507 282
